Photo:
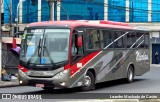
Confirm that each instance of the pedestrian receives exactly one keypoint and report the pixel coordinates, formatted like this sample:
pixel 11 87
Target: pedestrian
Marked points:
pixel 156 57
pixel 5 75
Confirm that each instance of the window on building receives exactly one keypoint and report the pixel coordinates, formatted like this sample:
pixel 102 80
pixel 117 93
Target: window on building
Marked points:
pixel 82 9
pixel 116 10
pixel 138 11
pixel 155 11
pixel 30 12
pixel 45 13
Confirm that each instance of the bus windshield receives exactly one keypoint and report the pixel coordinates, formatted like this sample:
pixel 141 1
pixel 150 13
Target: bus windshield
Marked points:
pixel 45 46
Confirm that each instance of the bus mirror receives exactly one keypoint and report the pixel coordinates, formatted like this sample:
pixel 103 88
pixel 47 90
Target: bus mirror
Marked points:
pixel 79 41
pixel 14 43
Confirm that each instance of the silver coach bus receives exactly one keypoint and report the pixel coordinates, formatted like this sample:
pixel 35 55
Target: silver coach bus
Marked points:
pixel 82 53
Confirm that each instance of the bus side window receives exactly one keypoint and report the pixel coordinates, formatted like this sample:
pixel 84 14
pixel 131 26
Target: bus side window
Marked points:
pixel 140 42
pixel 77 52
pixel 106 39
pixel 79 49
pixel 146 40
pixel 92 39
pixel 118 39
pixel 74 47
pixel 131 40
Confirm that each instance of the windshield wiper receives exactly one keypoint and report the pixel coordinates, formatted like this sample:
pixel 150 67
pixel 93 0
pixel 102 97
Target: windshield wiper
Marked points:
pixel 45 48
pixel 39 48
pixel 34 54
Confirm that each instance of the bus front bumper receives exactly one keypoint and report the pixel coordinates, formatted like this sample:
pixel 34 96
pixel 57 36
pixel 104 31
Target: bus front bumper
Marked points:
pixel 61 79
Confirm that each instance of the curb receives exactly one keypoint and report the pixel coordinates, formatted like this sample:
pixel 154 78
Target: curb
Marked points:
pixel 9 83
pixel 154 65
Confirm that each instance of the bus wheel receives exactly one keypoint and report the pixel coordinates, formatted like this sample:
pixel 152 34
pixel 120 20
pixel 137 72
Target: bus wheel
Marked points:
pixel 89 81
pixel 130 74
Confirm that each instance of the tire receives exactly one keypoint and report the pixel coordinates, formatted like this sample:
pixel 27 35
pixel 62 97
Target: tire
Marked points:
pixel 89 82
pixel 130 74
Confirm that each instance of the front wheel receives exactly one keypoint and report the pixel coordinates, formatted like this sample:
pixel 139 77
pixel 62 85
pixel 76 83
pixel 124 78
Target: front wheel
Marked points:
pixel 89 81
pixel 130 74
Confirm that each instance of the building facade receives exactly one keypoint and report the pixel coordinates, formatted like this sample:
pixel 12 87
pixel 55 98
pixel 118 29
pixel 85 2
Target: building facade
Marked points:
pixel 142 13
pixel 115 10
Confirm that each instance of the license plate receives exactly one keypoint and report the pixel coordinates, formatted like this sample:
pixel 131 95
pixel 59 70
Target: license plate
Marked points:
pixel 39 85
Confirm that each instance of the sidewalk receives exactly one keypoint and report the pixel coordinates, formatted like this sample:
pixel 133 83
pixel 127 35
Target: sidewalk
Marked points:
pixel 9 83
pixel 154 65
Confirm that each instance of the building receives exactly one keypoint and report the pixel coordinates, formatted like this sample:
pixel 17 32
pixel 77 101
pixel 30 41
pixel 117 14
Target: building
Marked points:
pixel 143 13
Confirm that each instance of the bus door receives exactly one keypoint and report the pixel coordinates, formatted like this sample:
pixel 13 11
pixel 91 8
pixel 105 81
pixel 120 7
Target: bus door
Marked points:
pixel 77 45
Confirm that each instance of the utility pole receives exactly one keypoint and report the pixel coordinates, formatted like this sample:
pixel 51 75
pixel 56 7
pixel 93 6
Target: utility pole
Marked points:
pixel 11 33
pixel 52 11
pixel 0 42
pixel 17 18
pixel 52 8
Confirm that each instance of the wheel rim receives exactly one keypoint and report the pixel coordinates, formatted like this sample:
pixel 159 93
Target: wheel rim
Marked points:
pixel 87 81
pixel 130 74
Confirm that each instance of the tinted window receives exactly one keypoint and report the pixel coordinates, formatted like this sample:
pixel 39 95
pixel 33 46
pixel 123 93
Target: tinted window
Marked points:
pixel 131 39
pixel 106 38
pixel 140 40
pixel 146 41
pixel 118 39
pixel 92 39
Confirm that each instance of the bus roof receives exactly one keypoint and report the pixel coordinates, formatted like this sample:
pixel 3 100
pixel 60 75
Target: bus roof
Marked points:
pixel 76 23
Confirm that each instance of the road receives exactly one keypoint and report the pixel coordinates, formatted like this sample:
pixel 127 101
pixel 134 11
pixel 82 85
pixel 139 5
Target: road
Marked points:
pixel 147 83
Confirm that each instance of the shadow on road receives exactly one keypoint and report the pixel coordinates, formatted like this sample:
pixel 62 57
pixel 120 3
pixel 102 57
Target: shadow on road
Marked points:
pixel 56 91
pixel 76 90
pixel 115 83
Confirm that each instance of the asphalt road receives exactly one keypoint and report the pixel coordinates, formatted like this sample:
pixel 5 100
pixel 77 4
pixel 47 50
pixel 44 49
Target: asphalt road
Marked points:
pixel 147 83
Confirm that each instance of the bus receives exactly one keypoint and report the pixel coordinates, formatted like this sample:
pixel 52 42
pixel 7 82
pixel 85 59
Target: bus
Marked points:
pixel 75 53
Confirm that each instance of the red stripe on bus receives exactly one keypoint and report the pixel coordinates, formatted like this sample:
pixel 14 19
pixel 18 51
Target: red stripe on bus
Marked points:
pixel 74 68
pixel 23 69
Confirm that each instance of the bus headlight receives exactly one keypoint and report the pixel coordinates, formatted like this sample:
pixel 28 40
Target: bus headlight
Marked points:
pixel 62 84
pixel 61 74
